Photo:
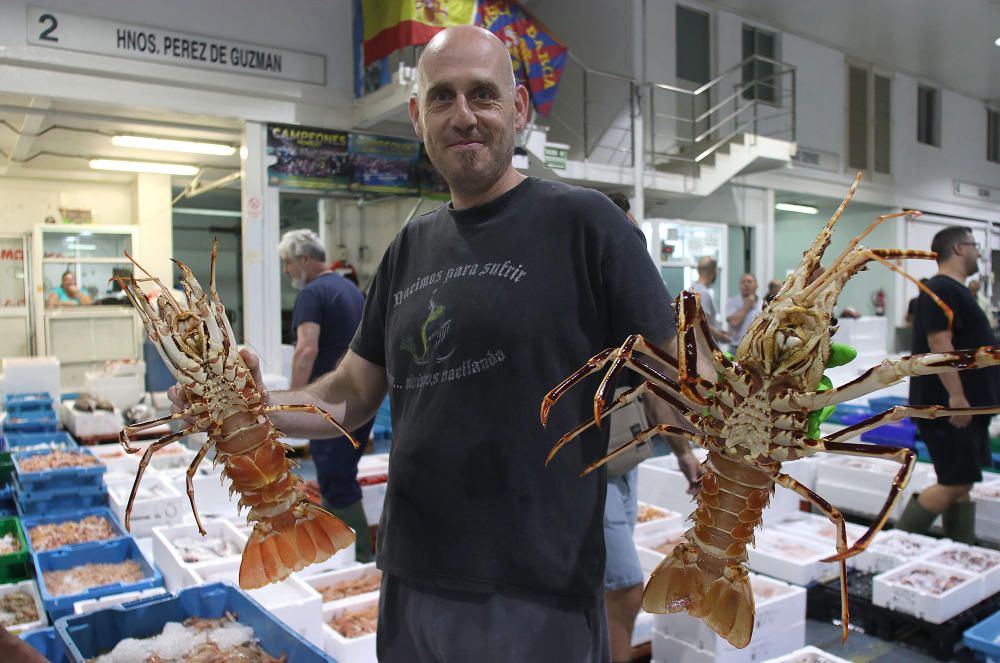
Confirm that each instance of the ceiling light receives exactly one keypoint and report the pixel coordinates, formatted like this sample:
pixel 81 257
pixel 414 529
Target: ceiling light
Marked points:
pixel 147 143
pixel 143 167
pixel 801 209
pixel 997 41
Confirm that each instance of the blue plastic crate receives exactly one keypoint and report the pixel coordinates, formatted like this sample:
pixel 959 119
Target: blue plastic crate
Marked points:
pixel 60 478
pixel 101 552
pixel 89 635
pixel 846 411
pixel 32 441
pixel 882 403
pixel 7 506
pixel 34 521
pixel 36 421
pixel 24 402
pixel 57 502
pixel 49 439
pixel 47 643
pixel 980 638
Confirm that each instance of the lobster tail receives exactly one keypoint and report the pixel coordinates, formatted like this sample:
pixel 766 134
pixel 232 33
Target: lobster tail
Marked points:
pixel 278 548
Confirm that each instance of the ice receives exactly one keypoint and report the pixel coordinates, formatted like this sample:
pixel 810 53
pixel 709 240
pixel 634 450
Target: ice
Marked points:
pixel 176 641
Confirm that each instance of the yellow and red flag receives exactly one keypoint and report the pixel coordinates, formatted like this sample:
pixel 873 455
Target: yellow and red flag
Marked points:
pixel 392 24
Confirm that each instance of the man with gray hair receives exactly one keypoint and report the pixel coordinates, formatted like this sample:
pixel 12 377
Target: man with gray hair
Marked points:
pixel 326 315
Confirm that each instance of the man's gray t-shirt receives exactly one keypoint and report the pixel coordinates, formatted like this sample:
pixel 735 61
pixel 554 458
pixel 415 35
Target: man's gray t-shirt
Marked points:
pixel 476 314
pixel 707 303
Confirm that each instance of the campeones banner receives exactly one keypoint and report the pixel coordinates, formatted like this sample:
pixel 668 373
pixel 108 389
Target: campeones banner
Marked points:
pixel 328 160
pixel 538 56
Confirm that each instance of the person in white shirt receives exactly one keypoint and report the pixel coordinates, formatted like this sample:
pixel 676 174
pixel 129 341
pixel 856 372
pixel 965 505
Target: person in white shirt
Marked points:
pixel 742 309
pixel 708 271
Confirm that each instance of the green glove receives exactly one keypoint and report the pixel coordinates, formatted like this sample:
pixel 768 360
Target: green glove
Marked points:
pixel 840 354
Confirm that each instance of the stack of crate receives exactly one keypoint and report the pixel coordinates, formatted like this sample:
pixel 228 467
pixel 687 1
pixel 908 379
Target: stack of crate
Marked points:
pixel 30 413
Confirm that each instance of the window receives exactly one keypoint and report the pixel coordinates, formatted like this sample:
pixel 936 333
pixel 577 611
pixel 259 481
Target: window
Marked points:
pixel 869 120
pixel 928 115
pixel 693 45
pixel 758 75
pixel 993 135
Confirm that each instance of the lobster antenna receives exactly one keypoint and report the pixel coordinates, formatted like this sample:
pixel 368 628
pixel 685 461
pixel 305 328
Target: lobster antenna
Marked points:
pixel 163 289
pixel 948 313
pixel 813 288
pixel 815 252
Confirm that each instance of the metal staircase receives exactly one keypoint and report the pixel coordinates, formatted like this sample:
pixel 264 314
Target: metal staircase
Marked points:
pixel 741 121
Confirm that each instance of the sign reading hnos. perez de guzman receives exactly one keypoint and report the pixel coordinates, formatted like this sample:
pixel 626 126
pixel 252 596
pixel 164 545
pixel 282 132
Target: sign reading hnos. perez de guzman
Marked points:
pixel 58 29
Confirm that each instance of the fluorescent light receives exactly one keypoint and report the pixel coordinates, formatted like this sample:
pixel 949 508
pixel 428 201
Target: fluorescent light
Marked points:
pixel 170 145
pixel 801 209
pixel 84 247
pixel 997 41
pixel 143 167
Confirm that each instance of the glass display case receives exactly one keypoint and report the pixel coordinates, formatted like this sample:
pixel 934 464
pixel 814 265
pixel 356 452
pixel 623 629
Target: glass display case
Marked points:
pixel 83 316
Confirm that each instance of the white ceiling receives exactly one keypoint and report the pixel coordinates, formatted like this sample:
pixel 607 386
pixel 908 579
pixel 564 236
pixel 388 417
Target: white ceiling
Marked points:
pixel 43 137
pixel 948 43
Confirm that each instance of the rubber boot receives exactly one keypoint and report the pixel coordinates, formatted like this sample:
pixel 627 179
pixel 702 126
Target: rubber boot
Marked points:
pixel 915 518
pixel 960 522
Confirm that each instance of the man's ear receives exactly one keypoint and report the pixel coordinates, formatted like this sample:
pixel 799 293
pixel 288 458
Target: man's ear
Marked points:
pixel 520 108
pixel 415 117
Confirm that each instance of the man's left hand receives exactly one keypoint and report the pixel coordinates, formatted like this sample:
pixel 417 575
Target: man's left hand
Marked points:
pixel 692 470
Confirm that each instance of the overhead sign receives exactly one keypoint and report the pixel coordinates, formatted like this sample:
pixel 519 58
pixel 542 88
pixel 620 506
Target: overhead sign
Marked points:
pixel 59 29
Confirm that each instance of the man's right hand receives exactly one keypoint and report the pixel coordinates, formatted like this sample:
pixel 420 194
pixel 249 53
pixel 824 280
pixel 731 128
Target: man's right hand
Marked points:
pixel 962 420
pixel 179 401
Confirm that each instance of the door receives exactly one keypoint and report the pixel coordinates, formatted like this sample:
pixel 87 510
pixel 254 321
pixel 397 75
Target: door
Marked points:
pixel 15 320
pixel 694 69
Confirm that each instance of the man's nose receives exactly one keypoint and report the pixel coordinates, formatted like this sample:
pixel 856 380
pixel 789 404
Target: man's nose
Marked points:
pixel 463 118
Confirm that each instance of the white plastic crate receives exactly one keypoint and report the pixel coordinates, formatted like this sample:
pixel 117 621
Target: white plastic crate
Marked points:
pixel 668 649
pixel 124 390
pixel 177 572
pixel 374 467
pixel 642 629
pixel 987 497
pixel 90 424
pixel 170 456
pixel 372 500
pixel 778 605
pixel 893 548
pixel 348 650
pixel 808 654
pixel 889 591
pixel 157 503
pixel 321 581
pixel 820 528
pixel 662 484
pixel 28 375
pixel 92 605
pixel 211 491
pixel 31 588
pixel 863 498
pixel 668 521
pixel 981 561
pixel 291 600
pixel 646 545
pixel 798 561
pixel 342 559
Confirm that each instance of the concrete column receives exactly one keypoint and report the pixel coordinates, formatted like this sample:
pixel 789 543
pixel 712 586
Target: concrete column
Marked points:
pixel 764 242
pixel 151 211
pixel 261 265
pixel 638 130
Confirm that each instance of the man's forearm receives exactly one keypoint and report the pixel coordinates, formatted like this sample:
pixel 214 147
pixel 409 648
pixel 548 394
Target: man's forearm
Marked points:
pixel 302 366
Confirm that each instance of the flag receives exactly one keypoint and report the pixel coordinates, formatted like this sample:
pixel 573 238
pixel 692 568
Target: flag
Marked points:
pixel 538 56
pixel 392 24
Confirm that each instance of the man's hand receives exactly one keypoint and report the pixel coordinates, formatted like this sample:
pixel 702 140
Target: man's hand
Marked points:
pixel 749 301
pixel 179 402
pixel 962 420
pixel 692 470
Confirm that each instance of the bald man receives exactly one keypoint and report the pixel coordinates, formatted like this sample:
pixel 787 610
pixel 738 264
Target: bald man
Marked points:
pixel 477 310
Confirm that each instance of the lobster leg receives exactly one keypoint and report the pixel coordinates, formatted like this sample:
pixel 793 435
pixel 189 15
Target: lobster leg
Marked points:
pixel 709 442
pixel 900 412
pixel 837 518
pixel 890 372
pixel 123 436
pixel 312 409
pixel 150 450
pixel 689 415
pixel 192 468
pixel 905 457
pixel 689 318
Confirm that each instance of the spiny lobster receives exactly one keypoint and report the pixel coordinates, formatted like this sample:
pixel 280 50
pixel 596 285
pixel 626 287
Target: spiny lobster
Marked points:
pixel 196 343
pixel 753 415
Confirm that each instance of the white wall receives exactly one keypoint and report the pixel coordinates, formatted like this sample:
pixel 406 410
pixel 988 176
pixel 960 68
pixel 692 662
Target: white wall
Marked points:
pixel 27 202
pixel 314 26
